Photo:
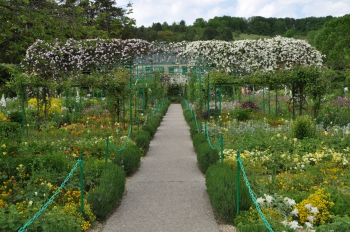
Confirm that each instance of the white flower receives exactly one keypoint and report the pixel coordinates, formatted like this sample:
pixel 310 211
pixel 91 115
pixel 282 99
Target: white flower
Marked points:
pixel 308 225
pixel 284 222
pixel 268 198
pixel 30 202
pixel 36 193
pixel 295 212
pixel 314 210
pixel 289 202
pixel 311 219
pixel 308 206
pixel 294 225
pixel 260 200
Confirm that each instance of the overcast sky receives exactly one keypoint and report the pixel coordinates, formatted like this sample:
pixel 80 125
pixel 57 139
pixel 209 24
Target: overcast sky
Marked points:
pixel 147 12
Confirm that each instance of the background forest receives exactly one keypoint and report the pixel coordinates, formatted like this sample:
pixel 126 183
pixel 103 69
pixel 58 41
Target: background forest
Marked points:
pixel 24 21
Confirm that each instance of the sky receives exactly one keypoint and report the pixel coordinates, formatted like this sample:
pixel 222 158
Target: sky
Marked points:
pixel 147 12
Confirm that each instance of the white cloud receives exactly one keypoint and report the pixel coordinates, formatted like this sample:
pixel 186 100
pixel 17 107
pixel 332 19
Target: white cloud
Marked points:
pixel 147 12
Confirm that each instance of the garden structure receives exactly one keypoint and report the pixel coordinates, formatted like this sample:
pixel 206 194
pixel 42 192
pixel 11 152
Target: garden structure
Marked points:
pixel 261 115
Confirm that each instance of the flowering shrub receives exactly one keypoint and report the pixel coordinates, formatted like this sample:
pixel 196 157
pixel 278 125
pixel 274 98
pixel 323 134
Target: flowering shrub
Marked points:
pixel 246 56
pixel 2 117
pixel 53 107
pixel 315 208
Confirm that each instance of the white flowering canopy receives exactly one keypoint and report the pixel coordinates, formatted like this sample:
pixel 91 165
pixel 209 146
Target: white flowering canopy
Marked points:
pixel 242 56
pixel 247 56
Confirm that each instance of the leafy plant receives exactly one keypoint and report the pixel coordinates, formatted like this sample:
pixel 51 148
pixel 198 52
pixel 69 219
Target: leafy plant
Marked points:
pixel 105 197
pixel 129 159
pixel 143 139
pixel 303 127
pixel 206 156
pixel 221 189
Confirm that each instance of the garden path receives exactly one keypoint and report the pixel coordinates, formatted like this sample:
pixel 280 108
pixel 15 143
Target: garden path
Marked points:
pixel 168 192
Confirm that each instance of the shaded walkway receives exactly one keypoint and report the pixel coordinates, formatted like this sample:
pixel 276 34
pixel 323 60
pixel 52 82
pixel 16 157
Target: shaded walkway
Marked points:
pixel 168 192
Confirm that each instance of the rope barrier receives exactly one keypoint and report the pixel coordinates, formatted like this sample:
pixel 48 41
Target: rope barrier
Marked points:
pixel 207 135
pixel 30 221
pixel 239 160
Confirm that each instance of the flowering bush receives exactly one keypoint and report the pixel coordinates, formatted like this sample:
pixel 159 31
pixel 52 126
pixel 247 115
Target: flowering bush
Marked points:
pixel 315 209
pixel 246 56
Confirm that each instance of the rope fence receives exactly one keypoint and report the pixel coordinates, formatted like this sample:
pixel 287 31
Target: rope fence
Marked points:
pixel 78 163
pixel 240 168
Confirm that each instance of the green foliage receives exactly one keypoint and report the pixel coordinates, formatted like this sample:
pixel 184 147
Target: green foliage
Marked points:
pixel 129 158
pixel 55 220
pixel 16 116
pixel 252 227
pixel 143 140
pixel 303 127
pixel 221 189
pixel 193 128
pixel 241 114
pixel 10 131
pixel 105 197
pixel 333 41
pixel 151 129
pixel 197 140
pixel 339 224
pixel 206 156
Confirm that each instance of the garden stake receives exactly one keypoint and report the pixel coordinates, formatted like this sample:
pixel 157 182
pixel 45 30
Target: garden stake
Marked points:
pixel 107 144
pixel 82 184
pixel 238 184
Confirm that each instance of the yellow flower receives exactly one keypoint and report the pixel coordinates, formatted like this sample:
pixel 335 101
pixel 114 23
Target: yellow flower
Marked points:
pixel 3 146
pixel 4 152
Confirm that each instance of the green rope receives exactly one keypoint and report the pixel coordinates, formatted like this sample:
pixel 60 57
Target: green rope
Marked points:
pixel 51 199
pixel 124 145
pixel 210 144
pixel 253 195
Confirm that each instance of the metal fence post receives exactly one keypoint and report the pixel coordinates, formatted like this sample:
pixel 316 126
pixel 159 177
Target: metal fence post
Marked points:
pixel 82 183
pixel 221 148
pixel 107 144
pixel 238 183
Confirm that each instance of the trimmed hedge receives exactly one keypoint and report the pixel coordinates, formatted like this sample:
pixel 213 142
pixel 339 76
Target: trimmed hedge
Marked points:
pixel 129 159
pixel 150 128
pixel 206 156
pixel 106 197
pixel 143 140
pixel 221 188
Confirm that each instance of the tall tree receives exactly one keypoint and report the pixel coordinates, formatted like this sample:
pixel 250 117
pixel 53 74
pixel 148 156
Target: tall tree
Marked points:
pixel 333 40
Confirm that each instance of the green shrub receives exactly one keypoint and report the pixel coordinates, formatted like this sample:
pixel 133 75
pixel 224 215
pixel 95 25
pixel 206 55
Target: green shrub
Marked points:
pixel 129 159
pixel 303 127
pixel 339 224
pixel 143 140
pixel 197 140
pixel 16 116
pixel 193 128
pixel 242 114
pixel 105 197
pixel 206 156
pixel 221 189
pixel 10 130
pixel 151 129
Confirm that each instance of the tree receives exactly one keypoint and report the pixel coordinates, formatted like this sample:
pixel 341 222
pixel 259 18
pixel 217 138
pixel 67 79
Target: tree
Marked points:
pixel 200 22
pixel 333 40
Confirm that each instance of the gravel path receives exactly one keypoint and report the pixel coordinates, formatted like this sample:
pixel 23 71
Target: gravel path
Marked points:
pixel 168 192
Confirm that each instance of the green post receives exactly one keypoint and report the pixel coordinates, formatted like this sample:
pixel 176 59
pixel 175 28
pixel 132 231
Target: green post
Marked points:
pixel 107 145
pixel 269 101
pixel 82 183
pixel 263 101
pixel 276 113
pixel 200 102
pixel 238 183
pixel 23 110
pixel 208 99
pixel 221 140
